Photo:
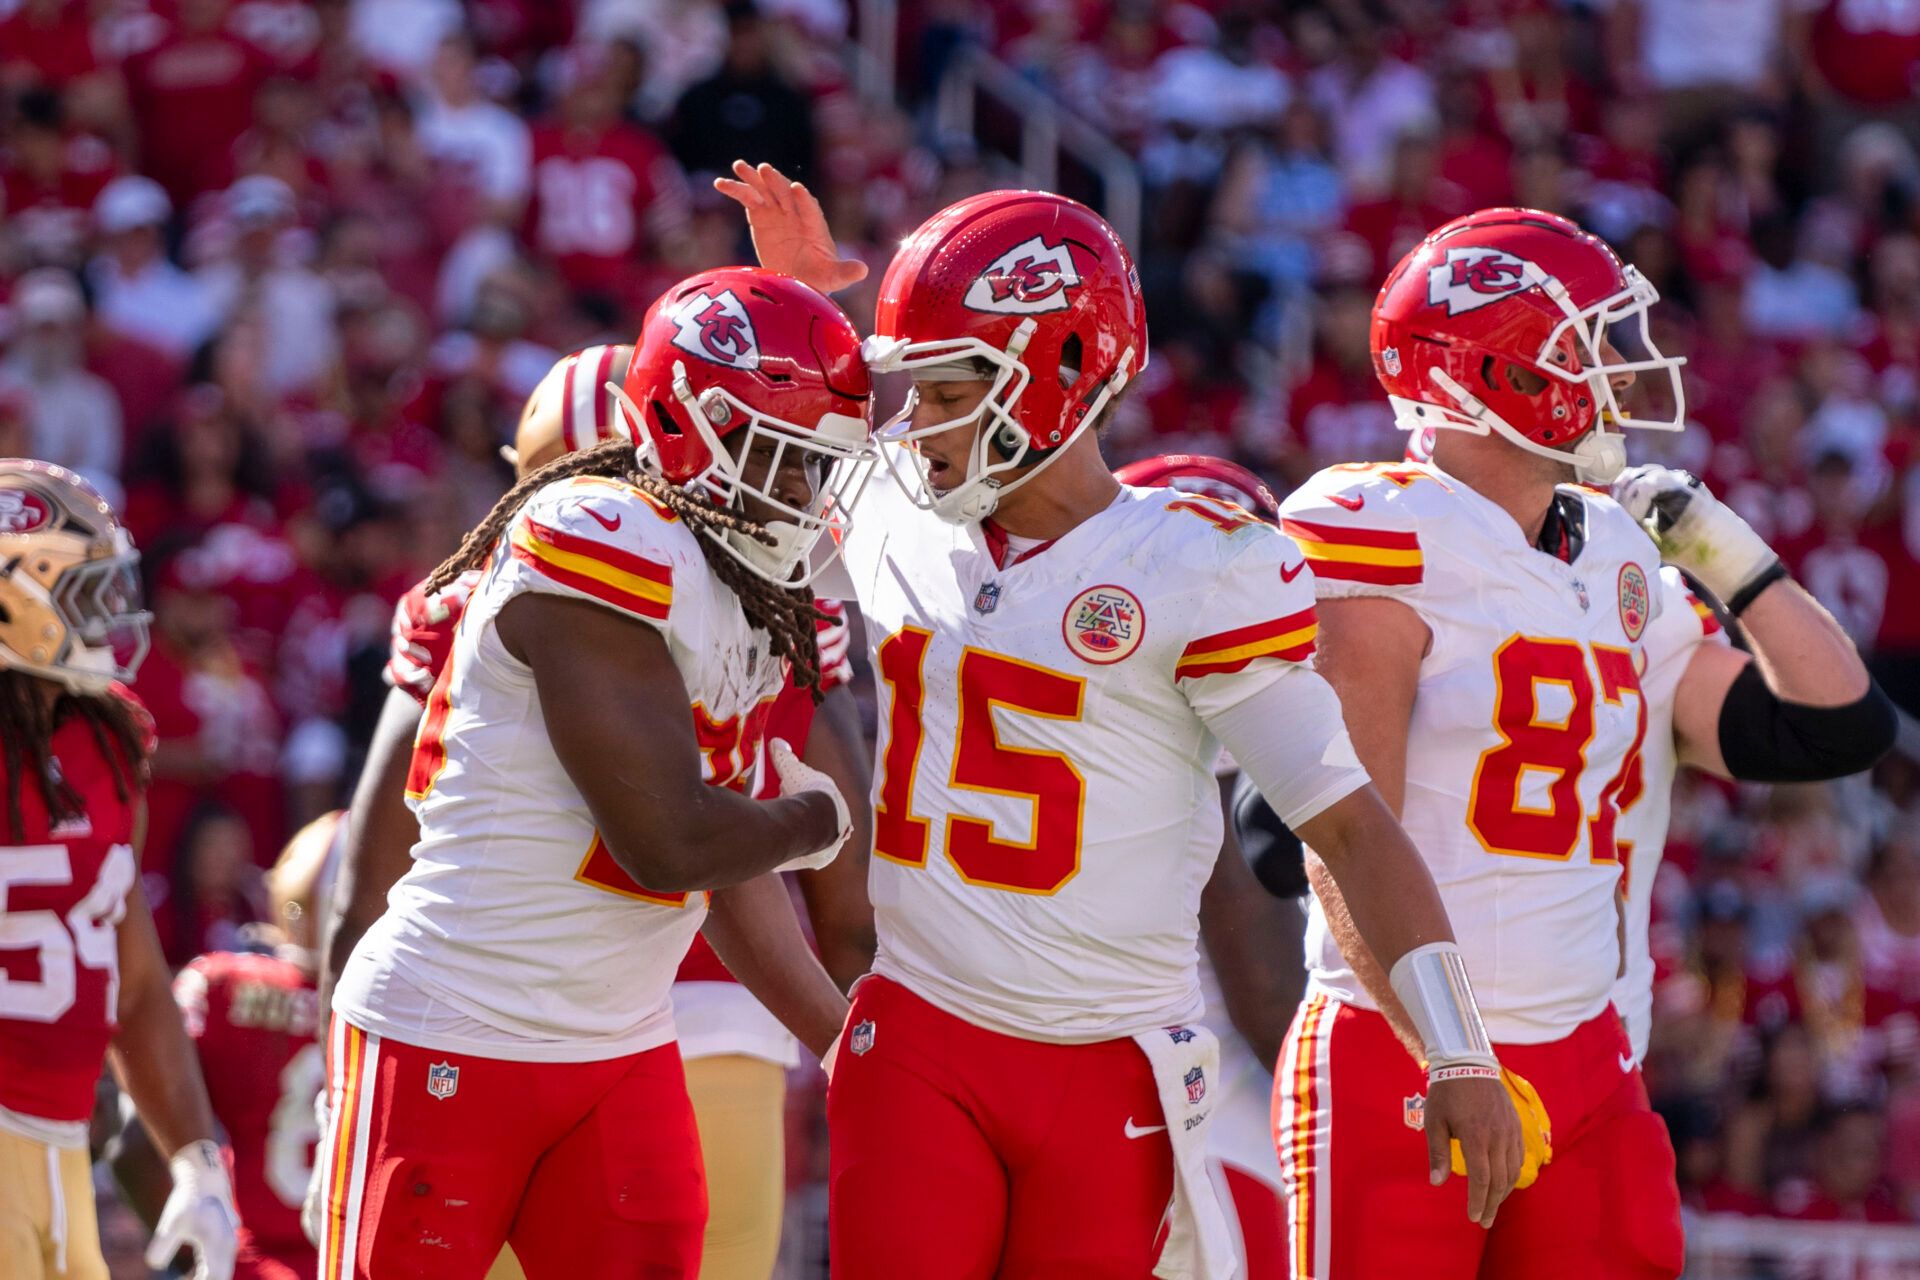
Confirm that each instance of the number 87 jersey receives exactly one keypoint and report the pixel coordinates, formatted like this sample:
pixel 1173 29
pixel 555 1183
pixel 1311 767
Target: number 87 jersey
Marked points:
pixel 1524 744
pixel 1045 806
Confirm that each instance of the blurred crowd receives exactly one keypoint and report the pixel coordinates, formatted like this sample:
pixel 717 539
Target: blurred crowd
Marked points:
pixel 277 275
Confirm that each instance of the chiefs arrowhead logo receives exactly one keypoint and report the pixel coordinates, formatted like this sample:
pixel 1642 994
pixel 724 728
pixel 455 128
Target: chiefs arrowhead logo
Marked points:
pixel 1471 278
pixel 1032 276
pixel 716 327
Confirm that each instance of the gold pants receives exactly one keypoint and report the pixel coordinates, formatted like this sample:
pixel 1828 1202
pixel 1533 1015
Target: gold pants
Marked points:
pixel 740 1105
pixel 47 1226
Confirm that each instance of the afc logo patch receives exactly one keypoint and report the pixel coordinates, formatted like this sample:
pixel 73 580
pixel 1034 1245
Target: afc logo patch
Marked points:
pixel 1104 624
pixel 861 1040
pixel 23 512
pixel 987 598
pixel 1196 1082
pixel 443 1078
pixel 1636 601
pixel 1179 1035
pixel 1471 278
pixel 717 328
pixel 1031 277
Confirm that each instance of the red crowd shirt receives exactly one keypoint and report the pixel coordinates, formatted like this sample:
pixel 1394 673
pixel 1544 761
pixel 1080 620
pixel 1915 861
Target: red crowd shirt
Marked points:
pixel 601 197
pixel 1868 50
pixel 193 95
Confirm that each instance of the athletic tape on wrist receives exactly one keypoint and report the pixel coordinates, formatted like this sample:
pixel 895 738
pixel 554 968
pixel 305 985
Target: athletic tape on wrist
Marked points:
pixel 1431 982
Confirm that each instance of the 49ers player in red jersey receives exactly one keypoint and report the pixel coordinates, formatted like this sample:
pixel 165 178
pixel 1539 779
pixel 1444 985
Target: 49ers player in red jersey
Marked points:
pixel 82 979
pixel 735 1051
pixel 1020 1091
pixel 252 1017
pixel 1517 668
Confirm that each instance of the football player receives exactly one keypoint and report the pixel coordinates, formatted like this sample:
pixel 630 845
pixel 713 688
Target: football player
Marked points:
pixel 1251 968
pixel 1061 654
pixel 1509 650
pixel 735 1052
pixel 252 1017
pixel 502 1063
pixel 84 980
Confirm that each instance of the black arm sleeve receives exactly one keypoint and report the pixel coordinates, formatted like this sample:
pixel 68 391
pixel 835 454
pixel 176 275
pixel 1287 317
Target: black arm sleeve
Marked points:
pixel 1766 740
pixel 1278 859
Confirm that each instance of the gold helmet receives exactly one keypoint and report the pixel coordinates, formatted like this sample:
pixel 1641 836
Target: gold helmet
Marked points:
pixel 570 409
pixel 301 880
pixel 69 580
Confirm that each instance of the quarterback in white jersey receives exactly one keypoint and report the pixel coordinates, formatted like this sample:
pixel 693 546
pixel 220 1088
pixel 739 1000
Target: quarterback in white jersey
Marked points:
pixel 1063 658
pixel 1499 638
pixel 581 779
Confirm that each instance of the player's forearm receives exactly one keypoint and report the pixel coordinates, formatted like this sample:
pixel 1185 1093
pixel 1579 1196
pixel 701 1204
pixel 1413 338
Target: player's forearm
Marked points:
pixel 719 839
pixel 154 1062
pixel 140 1171
pixel 1802 652
pixel 756 934
pixel 1346 936
pixel 837 902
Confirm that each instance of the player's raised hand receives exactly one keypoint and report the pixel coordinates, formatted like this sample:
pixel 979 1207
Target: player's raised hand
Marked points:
pixel 790 233
pixel 1477 1113
pixel 797 778
pixel 1695 530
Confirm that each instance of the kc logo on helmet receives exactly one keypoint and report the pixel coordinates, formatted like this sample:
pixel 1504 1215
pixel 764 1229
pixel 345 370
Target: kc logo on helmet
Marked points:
pixel 716 328
pixel 22 512
pixel 1471 278
pixel 1031 277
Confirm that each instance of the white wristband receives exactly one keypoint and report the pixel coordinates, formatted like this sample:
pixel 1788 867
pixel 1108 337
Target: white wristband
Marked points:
pixel 1431 982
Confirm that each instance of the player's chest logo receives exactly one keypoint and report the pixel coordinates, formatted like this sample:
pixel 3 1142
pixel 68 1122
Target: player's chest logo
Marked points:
pixel 1104 624
pixel 1196 1082
pixel 443 1078
pixel 1580 594
pixel 1636 600
pixel 987 598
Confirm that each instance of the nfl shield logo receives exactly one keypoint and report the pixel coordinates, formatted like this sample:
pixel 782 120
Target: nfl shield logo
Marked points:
pixel 1196 1081
pixel 862 1038
pixel 1580 590
pixel 1179 1035
pixel 1414 1112
pixel 442 1079
pixel 987 599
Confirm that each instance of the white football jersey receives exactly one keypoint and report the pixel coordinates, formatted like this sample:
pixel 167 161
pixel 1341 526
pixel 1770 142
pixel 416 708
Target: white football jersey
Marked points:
pixel 1045 806
pixel 514 917
pixel 1525 730
pixel 1681 626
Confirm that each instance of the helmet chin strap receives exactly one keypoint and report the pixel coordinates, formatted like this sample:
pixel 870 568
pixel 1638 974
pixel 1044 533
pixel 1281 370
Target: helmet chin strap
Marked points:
pixel 1597 458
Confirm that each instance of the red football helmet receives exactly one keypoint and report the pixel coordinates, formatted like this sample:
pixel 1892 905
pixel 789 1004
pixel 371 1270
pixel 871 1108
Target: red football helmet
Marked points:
pixel 1210 477
pixel 743 350
pixel 1517 289
pixel 1030 290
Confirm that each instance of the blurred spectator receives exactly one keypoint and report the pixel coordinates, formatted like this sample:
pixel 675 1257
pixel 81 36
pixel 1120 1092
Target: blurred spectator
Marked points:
pixel 140 293
pixel 1791 294
pixel 72 417
pixel 1848 1182
pixel 261 280
pixel 1372 99
pixel 400 37
pixel 747 109
pixel 45 42
pixel 1770 1140
pixel 481 152
pixel 1702 56
pixel 193 94
pixel 49 180
pixel 1279 195
pixel 609 200
pixel 1222 84
pixel 213 889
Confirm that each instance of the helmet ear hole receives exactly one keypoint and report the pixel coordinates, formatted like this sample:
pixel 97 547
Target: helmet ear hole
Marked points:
pixel 1525 381
pixel 663 420
pixel 1071 353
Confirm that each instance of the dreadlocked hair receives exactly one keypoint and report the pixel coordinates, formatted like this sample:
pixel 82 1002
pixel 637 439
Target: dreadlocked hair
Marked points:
pixel 786 614
pixel 27 725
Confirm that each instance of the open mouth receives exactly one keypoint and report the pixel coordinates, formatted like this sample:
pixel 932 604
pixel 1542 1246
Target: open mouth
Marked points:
pixel 940 474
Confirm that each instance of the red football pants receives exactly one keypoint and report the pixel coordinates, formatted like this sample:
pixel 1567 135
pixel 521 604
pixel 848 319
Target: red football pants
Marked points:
pixel 1347 1104
pixel 590 1170
pixel 281 1261
pixel 961 1153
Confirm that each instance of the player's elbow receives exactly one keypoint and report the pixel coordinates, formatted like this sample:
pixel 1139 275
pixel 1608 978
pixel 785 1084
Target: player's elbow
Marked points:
pixel 668 864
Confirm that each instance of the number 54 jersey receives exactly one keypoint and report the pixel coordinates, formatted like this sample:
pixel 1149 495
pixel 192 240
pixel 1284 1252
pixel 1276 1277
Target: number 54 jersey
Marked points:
pixel 1524 747
pixel 1045 806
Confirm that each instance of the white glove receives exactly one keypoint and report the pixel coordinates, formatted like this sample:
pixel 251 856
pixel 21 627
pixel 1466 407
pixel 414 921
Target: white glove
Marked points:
pixel 1694 529
pixel 199 1213
pixel 797 778
pixel 312 1207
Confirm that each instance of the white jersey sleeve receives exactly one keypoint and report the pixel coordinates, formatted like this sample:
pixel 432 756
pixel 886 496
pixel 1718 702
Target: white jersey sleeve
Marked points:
pixel 1359 528
pixel 1246 675
pixel 603 542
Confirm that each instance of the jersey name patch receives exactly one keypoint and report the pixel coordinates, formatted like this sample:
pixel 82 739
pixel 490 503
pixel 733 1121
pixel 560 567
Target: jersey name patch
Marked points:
pixel 1104 624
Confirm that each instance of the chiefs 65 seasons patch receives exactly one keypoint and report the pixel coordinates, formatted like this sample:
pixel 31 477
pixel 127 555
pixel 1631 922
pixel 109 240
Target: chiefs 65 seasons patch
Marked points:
pixel 1104 624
